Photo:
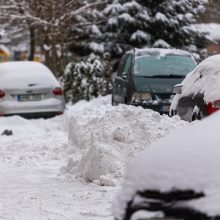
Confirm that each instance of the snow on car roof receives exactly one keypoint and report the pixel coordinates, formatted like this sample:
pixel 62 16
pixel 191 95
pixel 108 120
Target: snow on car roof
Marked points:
pixel 20 73
pixel 184 160
pixel 161 52
pixel 205 79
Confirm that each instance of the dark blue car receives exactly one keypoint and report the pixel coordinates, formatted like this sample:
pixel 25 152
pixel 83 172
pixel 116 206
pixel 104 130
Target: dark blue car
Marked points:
pixel 146 77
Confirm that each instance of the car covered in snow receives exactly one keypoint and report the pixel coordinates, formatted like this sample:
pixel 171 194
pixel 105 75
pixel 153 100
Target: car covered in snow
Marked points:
pixel 198 95
pixel 146 77
pixel 29 89
pixel 175 178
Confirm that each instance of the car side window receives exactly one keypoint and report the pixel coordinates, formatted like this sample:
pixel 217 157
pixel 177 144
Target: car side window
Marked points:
pixel 127 66
pixel 121 65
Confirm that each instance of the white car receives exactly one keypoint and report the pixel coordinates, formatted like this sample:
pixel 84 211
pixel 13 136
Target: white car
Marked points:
pixel 29 89
pixel 175 178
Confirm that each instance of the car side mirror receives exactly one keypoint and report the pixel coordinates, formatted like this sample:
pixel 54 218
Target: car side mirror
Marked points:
pixel 177 89
pixel 124 75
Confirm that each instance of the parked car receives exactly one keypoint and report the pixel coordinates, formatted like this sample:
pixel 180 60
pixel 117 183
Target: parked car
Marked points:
pixel 198 95
pixel 29 89
pixel 176 178
pixel 146 77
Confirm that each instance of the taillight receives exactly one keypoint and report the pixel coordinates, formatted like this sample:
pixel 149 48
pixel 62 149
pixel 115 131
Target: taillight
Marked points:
pixel 213 106
pixel 2 93
pixel 58 91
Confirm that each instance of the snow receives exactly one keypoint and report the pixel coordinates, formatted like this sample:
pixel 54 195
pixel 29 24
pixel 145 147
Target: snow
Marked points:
pixel 103 139
pixel 113 9
pixel 160 52
pixel 70 167
pixel 5 49
pixel 186 159
pixel 96 47
pixel 126 17
pixel 161 44
pixel 140 36
pixel 161 17
pixel 21 73
pixel 212 29
pixel 205 79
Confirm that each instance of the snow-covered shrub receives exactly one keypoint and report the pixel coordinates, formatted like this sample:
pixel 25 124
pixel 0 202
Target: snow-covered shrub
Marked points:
pixel 88 78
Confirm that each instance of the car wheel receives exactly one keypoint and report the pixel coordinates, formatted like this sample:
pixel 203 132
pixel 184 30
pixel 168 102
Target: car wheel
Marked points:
pixel 172 113
pixel 196 116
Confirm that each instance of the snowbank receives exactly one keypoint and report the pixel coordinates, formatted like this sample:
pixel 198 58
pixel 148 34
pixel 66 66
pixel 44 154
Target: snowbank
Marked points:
pixel 103 139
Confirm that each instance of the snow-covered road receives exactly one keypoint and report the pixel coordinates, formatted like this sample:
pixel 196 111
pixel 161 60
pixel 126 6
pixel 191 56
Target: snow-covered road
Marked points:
pixel 30 184
pixel 45 165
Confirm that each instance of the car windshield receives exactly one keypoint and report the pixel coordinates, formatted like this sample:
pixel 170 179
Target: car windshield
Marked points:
pixel 163 66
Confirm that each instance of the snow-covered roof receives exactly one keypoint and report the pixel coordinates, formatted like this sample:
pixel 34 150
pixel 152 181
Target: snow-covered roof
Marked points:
pixel 184 160
pixel 161 52
pixel 21 73
pixel 5 49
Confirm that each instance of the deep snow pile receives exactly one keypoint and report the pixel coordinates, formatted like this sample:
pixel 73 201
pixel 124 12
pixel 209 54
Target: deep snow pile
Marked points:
pixel 103 139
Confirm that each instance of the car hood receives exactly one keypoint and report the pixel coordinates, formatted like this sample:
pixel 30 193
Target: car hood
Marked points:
pixel 156 85
pixel 186 159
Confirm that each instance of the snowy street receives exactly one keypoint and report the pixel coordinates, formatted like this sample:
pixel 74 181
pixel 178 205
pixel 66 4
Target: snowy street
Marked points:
pixel 52 170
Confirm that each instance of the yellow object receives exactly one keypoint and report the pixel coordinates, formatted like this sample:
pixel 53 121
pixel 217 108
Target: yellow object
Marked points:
pixel 4 53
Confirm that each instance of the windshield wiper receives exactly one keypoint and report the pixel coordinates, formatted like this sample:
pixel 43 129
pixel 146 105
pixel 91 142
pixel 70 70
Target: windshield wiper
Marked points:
pixel 163 76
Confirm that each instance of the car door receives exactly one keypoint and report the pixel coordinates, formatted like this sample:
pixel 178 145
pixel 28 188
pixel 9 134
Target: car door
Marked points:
pixel 122 79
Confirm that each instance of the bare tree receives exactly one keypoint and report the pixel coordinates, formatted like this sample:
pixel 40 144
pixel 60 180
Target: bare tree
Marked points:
pixel 212 13
pixel 49 24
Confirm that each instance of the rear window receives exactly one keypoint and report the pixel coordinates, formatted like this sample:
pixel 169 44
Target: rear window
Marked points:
pixel 14 74
pixel 163 65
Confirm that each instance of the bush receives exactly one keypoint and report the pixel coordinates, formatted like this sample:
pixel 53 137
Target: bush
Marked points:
pixel 88 78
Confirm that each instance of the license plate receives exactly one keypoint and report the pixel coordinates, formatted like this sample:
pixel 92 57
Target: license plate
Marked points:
pixel 166 108
pixel 29 97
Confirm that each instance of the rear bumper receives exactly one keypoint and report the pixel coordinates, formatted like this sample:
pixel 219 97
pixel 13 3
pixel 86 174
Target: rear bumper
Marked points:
pixel 37 114
pixel 50 106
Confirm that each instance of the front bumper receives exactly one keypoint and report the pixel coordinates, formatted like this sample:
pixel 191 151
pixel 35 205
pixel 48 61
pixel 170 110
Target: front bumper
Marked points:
pixel 162 108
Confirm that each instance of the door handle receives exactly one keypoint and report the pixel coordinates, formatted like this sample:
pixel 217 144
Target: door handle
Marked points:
pixel 118 86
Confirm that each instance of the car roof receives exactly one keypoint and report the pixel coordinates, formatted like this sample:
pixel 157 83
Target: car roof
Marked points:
pixel 158 52
pixel 161 52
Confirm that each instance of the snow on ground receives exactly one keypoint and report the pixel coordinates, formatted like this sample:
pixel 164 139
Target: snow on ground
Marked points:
pixel 103 139
pixel 92 141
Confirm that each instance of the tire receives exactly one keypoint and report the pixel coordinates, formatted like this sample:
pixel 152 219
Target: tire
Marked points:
pixel 196 116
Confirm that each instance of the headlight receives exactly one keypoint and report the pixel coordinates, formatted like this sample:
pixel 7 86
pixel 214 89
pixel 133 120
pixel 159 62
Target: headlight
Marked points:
pixel 141 97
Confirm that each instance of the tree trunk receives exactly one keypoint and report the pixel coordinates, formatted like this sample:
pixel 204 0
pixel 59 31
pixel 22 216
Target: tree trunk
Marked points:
pixel 32 43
